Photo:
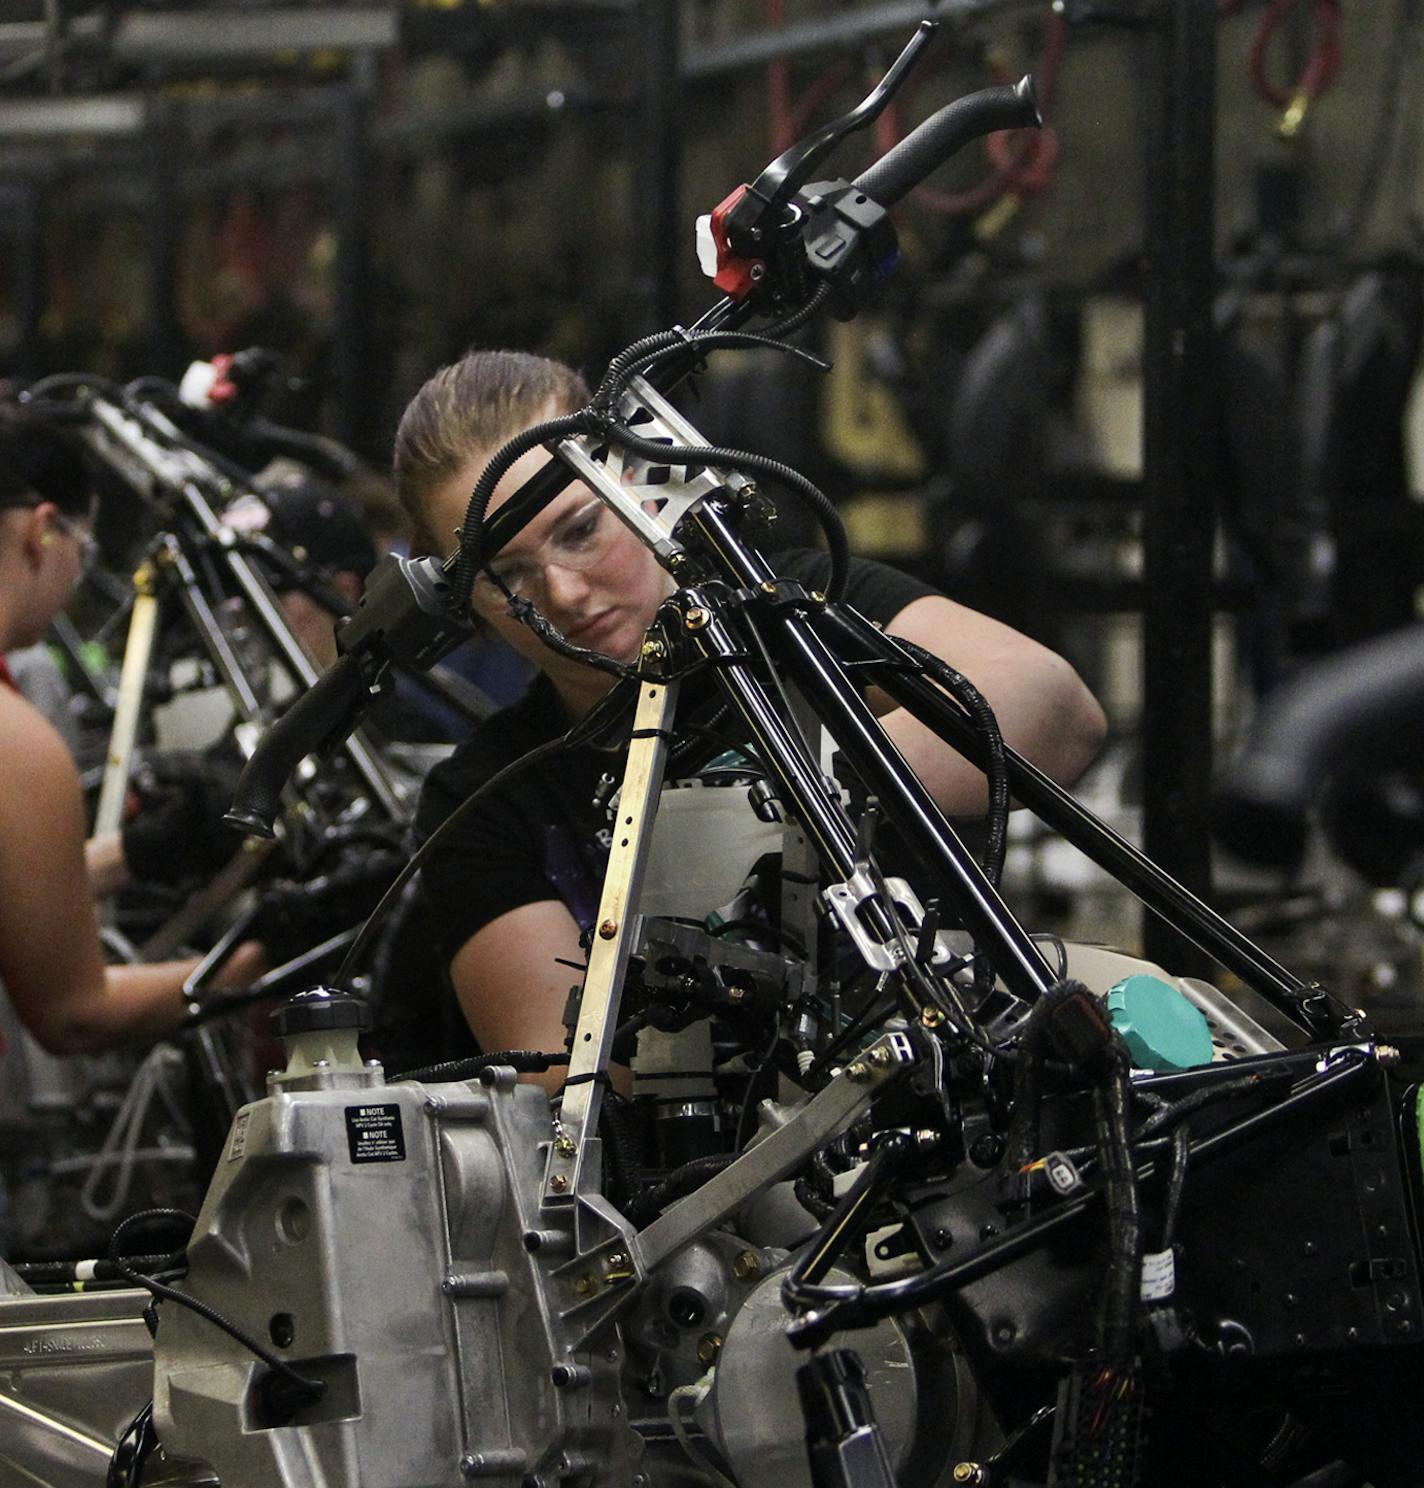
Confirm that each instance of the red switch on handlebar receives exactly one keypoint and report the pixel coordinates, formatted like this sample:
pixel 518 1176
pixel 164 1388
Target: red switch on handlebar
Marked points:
pixel 729 271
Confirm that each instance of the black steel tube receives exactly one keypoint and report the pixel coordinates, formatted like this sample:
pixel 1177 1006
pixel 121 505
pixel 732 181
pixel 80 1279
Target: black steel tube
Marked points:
pixel 814 669
pixel 1097 841
pixel 1178 453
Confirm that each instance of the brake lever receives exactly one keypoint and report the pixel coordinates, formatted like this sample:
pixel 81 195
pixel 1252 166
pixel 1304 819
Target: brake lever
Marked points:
pixel 785 176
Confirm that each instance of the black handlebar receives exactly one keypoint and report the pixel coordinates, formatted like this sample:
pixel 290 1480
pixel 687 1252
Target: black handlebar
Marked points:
pixel 927 147
pixel 327 711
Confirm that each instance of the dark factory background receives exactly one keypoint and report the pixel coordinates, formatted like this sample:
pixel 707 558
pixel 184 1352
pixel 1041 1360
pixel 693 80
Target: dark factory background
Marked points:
pixel 1144 384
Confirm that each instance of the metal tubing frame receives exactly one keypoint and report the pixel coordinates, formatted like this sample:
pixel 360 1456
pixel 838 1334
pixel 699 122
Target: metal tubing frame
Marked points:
pixel 1156 889
pixel 128 709
pixel 814 669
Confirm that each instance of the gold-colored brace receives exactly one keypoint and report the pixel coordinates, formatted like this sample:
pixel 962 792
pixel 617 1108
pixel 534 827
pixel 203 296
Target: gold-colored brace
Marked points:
pixel 608 955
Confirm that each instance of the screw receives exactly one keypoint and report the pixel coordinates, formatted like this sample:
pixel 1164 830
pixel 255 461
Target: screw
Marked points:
pixel 652 650
pixel 859 1072
pixel 769 588
pixel 615 1259
pixel 736 994
pixel 941 1239
pixel 931 1017
pixel 969 1472
pixel 565 1146
pixel 608 929
pixel 1387 1055
pixel 747 1266
pixel 676 561
pixel 757 273
pixel 881 1057
pixel 818 597
pixel 558 1183
pixel 925 1139
pixel 708 1347
pixel 697 618
pixel 583 1285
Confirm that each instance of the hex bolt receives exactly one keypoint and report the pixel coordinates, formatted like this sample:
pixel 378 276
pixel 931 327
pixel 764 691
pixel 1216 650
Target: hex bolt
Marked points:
pixel 931 1017
pixel 859 1072
pixel 747 1266
pixel 881 1057
pixel 608 929
pixel 970 1473
pixel 1387 1055
pixel 615 1259
pixel 565 1146
pixel 708 1347
pixel 558 1183
pixel 769 589
pixel 654 650
pixel 584 1285
pixel 697 618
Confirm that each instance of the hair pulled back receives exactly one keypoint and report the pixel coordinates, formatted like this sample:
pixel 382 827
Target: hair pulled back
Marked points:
pixel 470 408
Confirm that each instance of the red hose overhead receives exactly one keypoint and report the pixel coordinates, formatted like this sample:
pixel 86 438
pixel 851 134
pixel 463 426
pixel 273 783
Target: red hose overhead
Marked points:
pixel 1320 66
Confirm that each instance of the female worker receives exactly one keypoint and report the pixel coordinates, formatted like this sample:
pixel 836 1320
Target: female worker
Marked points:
pixel 518 881
pixel 51 965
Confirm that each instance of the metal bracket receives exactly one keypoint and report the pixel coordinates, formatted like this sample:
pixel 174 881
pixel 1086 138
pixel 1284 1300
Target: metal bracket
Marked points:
pixel 602 1280
pixel 845 900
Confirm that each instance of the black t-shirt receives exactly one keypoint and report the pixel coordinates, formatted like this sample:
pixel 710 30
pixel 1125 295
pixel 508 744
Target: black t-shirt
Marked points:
pixel 545 832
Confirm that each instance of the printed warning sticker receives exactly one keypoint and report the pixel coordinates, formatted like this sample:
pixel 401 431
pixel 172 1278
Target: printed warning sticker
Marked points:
pixel 374 1134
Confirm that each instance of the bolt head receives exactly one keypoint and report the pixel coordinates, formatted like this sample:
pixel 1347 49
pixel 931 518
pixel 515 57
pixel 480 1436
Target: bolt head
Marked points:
pixel 931 1017
pixel 697 618
pixel 708 1347
pixel 558 1183
pixel 858 1072
pixel 565 1146
pixel 583 1285
pixel 747 1266
pixel 608 929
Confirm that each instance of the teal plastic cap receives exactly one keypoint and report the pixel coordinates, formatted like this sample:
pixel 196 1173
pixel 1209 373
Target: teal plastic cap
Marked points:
pixel 1162 1030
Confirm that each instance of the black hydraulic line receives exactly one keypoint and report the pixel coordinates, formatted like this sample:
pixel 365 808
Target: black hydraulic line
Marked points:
pixel 1309 1005
pixel 813 667
pixel 1180 418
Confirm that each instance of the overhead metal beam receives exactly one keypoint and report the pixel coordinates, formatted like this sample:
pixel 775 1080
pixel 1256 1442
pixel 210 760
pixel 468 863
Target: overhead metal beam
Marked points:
pixel 212 35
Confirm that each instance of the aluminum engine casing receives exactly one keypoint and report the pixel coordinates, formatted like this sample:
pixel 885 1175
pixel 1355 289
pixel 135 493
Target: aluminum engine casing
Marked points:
pixel 401 1273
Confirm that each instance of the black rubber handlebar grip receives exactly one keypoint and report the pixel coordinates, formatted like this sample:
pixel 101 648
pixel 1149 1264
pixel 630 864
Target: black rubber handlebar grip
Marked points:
pixel 928 146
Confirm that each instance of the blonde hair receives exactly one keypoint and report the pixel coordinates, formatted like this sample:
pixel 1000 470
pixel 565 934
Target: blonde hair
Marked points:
pixel 472 407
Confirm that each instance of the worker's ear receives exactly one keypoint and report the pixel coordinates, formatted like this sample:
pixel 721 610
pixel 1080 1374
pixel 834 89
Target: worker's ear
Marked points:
pixel 37 530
